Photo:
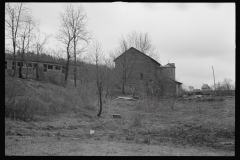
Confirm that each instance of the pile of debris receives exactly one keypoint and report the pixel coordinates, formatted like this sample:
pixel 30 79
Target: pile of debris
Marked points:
pixel 201 98
pixel 130 98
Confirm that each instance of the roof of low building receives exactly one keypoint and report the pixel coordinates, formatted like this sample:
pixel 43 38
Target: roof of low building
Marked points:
pixel 205 86
pixel 43 58
pixel 32 57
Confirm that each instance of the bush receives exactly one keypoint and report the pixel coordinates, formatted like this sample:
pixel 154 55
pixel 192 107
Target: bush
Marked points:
pixel 87 95
pixel 16 104
pixel 56 79
pixel 148 105
pixel 137 121
pixel 24 108
pixel 146 140
pixel 24 101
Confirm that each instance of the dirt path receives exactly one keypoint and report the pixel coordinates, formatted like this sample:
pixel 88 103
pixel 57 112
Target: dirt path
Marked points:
pixel 25 145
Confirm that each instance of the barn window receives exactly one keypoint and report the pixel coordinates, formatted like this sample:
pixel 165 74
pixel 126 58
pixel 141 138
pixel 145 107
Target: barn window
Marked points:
pixel 141 76
pixel 18 63
pixel 50 66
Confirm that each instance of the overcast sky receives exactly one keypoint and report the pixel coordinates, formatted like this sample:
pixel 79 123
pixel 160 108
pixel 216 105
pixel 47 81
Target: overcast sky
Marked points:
pixel 194 36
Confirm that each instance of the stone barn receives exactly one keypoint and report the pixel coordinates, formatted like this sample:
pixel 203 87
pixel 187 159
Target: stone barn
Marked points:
pixel 137 69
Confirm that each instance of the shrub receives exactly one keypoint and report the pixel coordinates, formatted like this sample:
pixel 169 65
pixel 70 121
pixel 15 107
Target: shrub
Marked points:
pixel 148 105
pixel 24 101
pixel 56 79
pixel 87 95
pixel 24 108
pixel 41 74
pixel 137 121
pixel 130 137
pixel 146 140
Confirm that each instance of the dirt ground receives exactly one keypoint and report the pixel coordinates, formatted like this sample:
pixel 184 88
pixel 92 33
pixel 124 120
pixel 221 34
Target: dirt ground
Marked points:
pixel 69 134
pixel 54 146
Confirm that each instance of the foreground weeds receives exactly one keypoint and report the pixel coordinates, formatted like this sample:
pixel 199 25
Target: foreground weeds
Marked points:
pixel 144 121
pixel 195 123
pixel 27 99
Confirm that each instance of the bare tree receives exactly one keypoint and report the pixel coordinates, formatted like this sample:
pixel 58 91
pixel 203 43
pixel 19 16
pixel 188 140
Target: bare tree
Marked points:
pixel 233 86
pixel 190 88
pixel 39 41
pixel 14 13
pixel 25 36
pixel 111 78
pixel 227 84
pixel 96 56
pixel 140 41
pixel 66 37
pixel 74 31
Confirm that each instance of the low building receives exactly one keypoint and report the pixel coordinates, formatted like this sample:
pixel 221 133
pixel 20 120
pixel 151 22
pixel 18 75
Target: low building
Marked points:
pixel 205 87
pixel 46 64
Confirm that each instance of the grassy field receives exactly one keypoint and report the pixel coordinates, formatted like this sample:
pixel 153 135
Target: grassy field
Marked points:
pixel 53 120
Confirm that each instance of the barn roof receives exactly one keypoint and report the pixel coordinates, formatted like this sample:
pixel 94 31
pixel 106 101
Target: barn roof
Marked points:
pixel 153 60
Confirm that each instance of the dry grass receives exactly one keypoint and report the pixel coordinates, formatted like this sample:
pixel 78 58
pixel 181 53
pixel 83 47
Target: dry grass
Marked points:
pixel 56 79
pixel 147 121
pixel 194 123
pixel 24 99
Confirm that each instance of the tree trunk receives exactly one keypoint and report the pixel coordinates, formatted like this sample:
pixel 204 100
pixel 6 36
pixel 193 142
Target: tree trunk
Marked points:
pixel 123 88
pixel 75 76
pixel 27 71
pixel 21 65
pixel 20 70
pixel 100 101
pixel 14 48
pixel 106 95
pixel 37 75
pixel 75 63
pixel 14 60
pixel 66 71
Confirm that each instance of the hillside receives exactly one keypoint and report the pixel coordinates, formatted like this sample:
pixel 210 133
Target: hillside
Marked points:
pixel 53 120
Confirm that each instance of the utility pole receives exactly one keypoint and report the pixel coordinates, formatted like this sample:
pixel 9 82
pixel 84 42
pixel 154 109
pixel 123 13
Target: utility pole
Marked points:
pixel 214 79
